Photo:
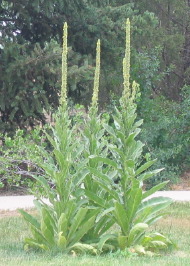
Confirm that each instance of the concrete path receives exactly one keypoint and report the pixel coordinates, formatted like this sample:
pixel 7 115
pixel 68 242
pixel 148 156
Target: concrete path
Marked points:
pixel 25 202
pixel 16 202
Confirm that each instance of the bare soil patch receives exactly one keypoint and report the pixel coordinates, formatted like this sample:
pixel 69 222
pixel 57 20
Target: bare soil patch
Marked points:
pixel 183 184
pixel 4 214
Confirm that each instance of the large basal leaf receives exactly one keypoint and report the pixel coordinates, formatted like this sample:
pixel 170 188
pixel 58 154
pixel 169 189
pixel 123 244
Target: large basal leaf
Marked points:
pixel 109 223
pixel 152 218
pixel 121 217
pixel 103 225
pixel 157 245
pixel 32 243
pixel 38 236
pixel 49 219
pixel 83 248
pixel 156 204
pixel 104 239
pixel 70 209
pixel 150 214
pixel 61 241
pixel 47 231
pixel 85 227
pixel 135 231
pixel 77 221
pixel 122 241
pixel 133 201
pixel 159 237
pixel 30 219
pixel 63 224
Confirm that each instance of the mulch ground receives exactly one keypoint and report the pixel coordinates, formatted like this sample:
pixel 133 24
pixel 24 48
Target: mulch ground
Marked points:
pixel 13 192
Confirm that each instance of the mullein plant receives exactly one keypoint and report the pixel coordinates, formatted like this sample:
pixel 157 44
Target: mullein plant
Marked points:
pixel 79 179
pixel 66 219
pixel 95 153
pixel 128 205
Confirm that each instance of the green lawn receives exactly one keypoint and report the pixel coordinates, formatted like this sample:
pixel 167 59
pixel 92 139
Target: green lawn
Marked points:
pixel 176 225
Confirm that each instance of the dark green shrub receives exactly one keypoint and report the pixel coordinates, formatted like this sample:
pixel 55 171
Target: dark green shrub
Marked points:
pixel 166 134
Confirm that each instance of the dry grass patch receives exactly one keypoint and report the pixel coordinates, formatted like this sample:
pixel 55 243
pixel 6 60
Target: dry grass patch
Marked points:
pixel 15 213
pixel 174 222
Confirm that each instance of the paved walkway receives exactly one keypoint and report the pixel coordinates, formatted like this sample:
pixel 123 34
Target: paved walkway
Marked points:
pixel 16 202
pixel 24 202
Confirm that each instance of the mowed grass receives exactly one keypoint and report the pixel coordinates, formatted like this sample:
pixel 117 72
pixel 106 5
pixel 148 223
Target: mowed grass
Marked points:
pixel 176 225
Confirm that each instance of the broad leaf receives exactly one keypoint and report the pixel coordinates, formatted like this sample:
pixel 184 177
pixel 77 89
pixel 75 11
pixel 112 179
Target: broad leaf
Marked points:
pixel 104 239
pixel 98 159
pixel 30 219
pixel 136 230
pixel 77 221
pixel 154 189
pixel 122 241
pixel 147 175
pixel 61 241
pixel 161 201
pixel 96 199
pixel 83 248
pixel 63 224
pixel 85 227
pixel 144 167
pixel 133 202
pixel 32 243
pixel 121 217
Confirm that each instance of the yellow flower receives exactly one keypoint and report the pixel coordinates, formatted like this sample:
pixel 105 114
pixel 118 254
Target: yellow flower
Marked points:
pixel 126 63
pixel 135 89
pixel 63 98
pixel 96 76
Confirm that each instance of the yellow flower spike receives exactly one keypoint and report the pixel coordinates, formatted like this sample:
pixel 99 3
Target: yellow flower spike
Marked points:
pixel 96 77
pixel 63 98
pixel 135 88
pixel 126 63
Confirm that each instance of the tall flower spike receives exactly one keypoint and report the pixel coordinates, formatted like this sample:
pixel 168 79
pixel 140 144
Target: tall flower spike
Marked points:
pixel 63 98
pixel 126 63
pixel 96 77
